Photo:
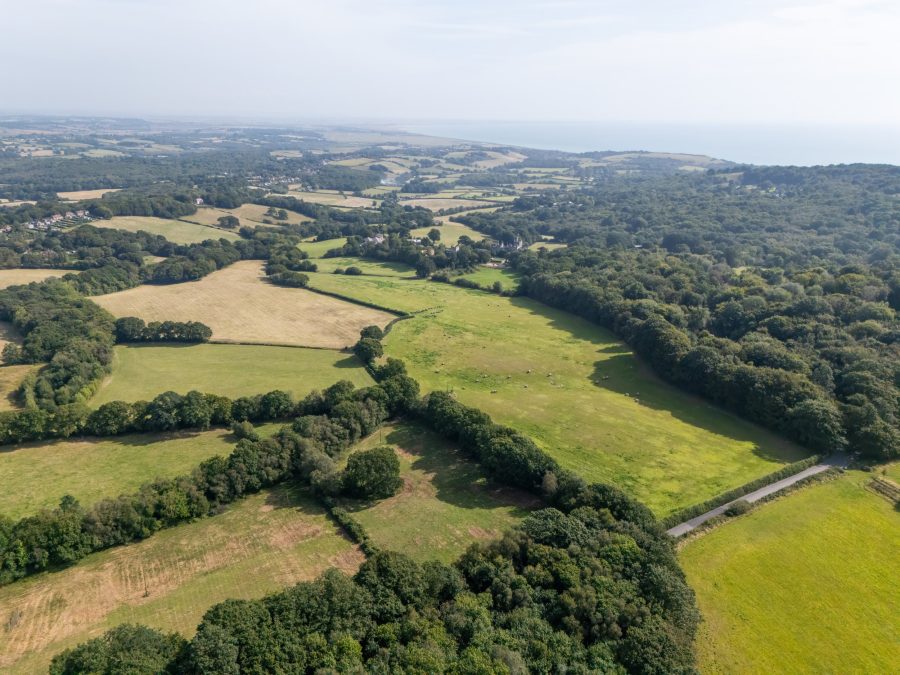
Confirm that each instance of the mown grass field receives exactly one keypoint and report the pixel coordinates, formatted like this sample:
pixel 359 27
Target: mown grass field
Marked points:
pixel 259 545
pixel 578 391
pixel 239 305
pixel 488 276
pixel 446 503
pixel 176 231
pixel 38 475
pixel 15 277
pixel 807 584
pixel 335 198
pixel 140 372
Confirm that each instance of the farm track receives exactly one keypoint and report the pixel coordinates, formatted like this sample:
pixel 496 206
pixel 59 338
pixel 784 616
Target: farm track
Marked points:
pixel 690 525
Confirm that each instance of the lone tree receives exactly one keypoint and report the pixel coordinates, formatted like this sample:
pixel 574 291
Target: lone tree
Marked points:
pixel 229 222
pixel 373 474
pixel 368 349
pixel 434 234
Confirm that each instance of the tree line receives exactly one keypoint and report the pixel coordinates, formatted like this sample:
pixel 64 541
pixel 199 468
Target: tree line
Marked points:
pixel 591 582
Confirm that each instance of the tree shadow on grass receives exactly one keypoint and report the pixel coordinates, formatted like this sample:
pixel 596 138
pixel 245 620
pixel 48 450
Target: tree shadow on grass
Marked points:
pixel 622 372
pixel 455 479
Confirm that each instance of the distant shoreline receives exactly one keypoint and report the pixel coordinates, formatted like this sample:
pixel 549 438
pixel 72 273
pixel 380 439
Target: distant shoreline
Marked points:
pixel 744 143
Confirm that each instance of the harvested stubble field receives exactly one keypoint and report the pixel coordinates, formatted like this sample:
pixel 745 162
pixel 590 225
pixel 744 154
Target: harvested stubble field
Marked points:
pixel 10 379
pixel 572 386
pixel 140 372
pixel 176 231
pixel 241 307
pixel 38 475
pixel 807 584
pixel 334 198
pixel 169 580
pixel 15 277
pixel 78 195
pixel 445 504
pixel 436 204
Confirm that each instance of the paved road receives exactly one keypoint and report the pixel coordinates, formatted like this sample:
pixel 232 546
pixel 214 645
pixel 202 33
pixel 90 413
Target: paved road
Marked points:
pixel 687 526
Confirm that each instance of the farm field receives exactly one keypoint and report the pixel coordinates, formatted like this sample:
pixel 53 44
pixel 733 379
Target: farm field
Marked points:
pixel 488 276
pixel 250 215
pixel 436 204
pixel 384 268
pixel 38 475
pixel 240 306
pixel 450 232
pixel 15 277
pixel 78 195
pixel 806 584
pixel 334 198
pixel 169 580
pixel 316 249
pixel 140 372
pixel 549 245
pixel 445 504
pixel 572 386
pixel 10 379
pixel 176 231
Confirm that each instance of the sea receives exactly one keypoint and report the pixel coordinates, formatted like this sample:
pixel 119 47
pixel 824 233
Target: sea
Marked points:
pixel 796 145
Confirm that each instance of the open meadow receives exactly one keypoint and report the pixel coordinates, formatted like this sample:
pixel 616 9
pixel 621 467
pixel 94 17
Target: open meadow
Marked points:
pixel 15 277
pixel 488 276
pixel 240 306
pixel 37 475
pixel 807 584
pixel 140 372
pixel 258 545
pixel 250 215
pixel 572 386
pixel 176 231
pixel 450 231
pixel 446 502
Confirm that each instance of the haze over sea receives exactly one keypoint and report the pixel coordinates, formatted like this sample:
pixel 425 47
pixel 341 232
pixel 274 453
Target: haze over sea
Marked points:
pixel 805 145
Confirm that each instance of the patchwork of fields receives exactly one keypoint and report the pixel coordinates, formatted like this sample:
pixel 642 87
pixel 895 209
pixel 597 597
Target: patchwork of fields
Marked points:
pixel 240 306
pixel 140 372
pixel 578 391
pixel 261 544
pixel 445 504
pixel 37 475
pixel 807 584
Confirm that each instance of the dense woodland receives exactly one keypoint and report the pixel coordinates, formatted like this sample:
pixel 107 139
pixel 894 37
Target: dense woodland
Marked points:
pixel 773 292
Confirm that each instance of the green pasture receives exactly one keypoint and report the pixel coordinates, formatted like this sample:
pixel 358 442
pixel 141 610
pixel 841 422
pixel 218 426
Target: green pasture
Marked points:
pixel 140 372
pixel 37 475
pixel 176 231
pixel 446 502
pixel 576 389
pixel 807 584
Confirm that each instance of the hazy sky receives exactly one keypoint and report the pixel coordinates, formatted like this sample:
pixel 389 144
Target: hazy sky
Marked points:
pixel 794 61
